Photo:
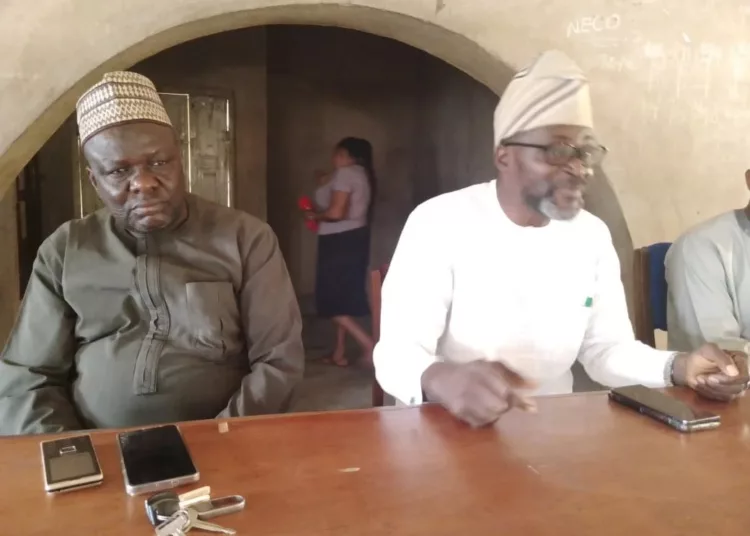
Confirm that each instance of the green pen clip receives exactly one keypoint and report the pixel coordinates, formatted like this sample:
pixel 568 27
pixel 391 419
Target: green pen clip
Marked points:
pixel 589 302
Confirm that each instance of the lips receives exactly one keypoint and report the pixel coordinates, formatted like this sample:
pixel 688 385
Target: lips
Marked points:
pixel 147 209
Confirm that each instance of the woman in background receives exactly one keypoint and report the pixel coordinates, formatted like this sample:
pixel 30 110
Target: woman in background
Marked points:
pixel 343 208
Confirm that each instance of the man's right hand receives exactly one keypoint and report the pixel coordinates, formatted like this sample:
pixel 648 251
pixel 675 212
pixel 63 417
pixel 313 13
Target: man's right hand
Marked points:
pixel 478 392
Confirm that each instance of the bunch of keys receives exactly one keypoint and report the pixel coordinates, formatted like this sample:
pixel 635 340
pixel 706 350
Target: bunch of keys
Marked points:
pixel 174 515
pixel 187 519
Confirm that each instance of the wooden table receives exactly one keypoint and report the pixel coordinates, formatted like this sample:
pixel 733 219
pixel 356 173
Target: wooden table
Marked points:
pixel 581 466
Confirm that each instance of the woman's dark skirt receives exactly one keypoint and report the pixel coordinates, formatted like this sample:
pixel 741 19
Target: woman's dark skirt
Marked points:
pixel 341 278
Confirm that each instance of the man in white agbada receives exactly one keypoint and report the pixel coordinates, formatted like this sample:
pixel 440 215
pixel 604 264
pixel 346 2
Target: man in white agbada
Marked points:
pixel 708 272
pixel 495 290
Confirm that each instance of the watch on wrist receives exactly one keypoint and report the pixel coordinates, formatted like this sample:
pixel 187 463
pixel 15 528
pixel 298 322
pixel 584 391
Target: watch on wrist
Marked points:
pixel 669 370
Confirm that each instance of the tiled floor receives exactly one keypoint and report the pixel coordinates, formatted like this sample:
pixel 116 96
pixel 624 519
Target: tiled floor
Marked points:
pixel 327 387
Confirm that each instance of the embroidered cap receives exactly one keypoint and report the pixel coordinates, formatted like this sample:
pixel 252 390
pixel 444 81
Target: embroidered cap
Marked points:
pixel 121 97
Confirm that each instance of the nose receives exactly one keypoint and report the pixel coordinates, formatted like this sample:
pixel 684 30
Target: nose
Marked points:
pixel 144 180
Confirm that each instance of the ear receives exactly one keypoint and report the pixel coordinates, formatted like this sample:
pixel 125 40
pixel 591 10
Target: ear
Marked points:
pixel 501 157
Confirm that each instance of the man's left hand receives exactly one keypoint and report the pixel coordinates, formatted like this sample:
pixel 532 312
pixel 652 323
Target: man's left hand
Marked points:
pixel 712 372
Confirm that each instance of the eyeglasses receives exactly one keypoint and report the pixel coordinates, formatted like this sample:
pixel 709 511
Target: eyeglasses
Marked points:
pixel 560 153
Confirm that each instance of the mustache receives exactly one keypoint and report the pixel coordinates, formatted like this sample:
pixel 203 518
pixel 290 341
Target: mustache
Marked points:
pixel 142 203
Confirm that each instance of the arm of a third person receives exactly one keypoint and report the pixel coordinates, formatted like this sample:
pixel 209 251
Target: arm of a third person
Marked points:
pixel 699 305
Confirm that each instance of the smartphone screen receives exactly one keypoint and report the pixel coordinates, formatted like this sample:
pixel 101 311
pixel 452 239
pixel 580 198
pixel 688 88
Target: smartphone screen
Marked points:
pixel 155 455
pixel 660 405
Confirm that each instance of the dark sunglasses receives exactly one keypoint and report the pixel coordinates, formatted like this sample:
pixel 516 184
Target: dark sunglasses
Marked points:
pixel 560 153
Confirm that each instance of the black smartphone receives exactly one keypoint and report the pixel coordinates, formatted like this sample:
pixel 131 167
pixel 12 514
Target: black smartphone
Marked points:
pixel 664 408
pixel 70 464
pixel 155 459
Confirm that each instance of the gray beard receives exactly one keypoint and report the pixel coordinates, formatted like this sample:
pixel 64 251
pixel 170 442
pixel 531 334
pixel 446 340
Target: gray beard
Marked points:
pixel 553 212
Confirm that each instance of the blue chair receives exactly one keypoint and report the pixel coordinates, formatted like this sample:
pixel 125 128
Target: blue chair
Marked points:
pixel 650 291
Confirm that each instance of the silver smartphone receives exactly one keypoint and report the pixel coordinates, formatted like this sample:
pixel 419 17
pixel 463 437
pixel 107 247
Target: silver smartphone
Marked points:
pixel 155 459
pixel 664 408
pixel 70 464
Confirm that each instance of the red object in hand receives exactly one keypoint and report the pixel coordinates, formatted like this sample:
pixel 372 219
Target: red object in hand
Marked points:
pixel 305 203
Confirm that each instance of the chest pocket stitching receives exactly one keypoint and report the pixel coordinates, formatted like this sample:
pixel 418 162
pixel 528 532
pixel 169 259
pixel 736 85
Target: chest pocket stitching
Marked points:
pixel 212 310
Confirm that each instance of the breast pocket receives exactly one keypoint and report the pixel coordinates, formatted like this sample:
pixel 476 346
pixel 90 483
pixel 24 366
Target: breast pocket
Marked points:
pixel 565 314
pixel 214 318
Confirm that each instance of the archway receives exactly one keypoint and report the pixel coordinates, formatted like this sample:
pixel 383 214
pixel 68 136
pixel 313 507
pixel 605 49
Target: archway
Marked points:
pixel 451 47
pixel 456 49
